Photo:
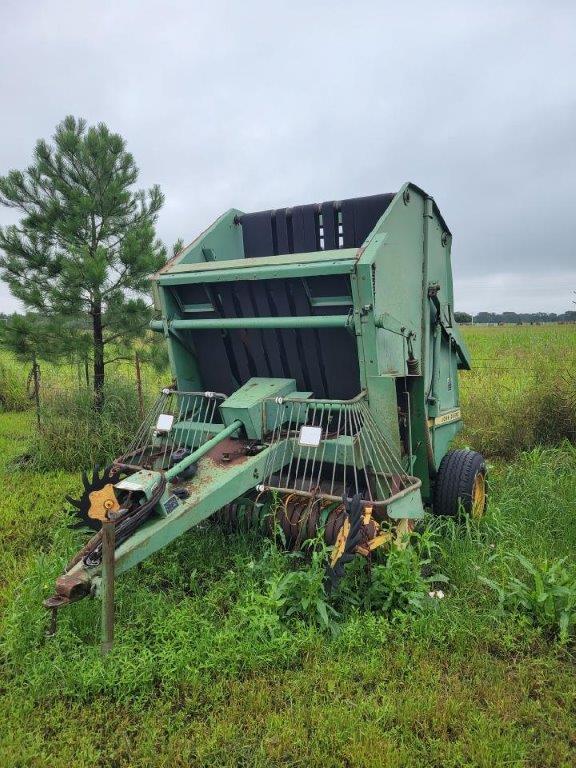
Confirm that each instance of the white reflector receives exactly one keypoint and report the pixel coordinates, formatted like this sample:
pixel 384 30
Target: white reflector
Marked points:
pixel 310 436
pixel 164 423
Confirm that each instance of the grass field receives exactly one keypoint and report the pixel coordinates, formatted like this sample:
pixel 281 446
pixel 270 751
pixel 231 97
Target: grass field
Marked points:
pixel 209 671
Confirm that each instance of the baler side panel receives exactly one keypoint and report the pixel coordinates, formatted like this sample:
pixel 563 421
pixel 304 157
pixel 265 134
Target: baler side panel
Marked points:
pixel 220 242
pixel 395 250
pixel 182 356
pixel 441 383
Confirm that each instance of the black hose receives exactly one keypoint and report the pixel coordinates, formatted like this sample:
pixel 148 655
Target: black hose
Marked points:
pixel 127 525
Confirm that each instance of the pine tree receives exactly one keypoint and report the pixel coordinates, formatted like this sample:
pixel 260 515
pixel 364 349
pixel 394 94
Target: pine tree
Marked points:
pixel 86 244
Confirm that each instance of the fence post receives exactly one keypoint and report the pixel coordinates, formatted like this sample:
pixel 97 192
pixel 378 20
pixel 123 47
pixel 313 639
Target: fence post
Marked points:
pixel 36 385
pixel 139 386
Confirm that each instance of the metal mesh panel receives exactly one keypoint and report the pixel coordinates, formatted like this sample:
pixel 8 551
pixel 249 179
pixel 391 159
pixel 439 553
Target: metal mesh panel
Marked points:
pixel 351 456
pixel 194 420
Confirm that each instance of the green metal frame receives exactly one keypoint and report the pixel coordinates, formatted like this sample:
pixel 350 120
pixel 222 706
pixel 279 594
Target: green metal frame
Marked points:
pixel 401 287
pixel 405 256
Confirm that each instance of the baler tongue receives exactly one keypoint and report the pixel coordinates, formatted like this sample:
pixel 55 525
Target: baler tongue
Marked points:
pixel 321 464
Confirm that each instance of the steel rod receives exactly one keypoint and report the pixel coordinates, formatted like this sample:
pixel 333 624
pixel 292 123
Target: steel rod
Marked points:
pixel 108 562
pixel 203 449
pixel 304 321
pixel 416 483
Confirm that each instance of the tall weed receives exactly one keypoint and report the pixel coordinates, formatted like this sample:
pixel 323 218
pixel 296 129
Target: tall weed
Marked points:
pixel 519 394
pixel 13 391
pixel 544 592
pixel 75 436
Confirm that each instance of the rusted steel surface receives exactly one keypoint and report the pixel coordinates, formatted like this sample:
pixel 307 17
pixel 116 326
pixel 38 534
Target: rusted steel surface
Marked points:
pixel 108 562
pixel 69 588
pixel 229 452
pixel 73 585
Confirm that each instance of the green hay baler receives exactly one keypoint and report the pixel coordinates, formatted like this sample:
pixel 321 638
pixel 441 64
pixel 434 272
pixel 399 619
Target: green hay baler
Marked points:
pixel 315 358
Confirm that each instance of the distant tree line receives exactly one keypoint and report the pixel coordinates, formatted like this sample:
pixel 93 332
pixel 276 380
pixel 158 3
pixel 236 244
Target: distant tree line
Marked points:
pixel 516 318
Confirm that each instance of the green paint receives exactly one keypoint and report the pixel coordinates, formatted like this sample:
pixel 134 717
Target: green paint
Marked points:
pixel 316 321
pixel 247 403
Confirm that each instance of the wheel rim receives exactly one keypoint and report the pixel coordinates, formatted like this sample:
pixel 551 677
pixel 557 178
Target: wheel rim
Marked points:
pixel 478 495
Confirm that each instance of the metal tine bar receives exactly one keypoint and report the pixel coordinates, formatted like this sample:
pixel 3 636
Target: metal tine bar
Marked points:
pixel 181 412
pixel 178 423
pixel 383 469
pixel 289 429
pixel 185 434
pixel 189 412
pixel 310 451
pixel 143 432
pixel 379 441
pixel 146 446
pixel 324 428
pixel 140 445
pixel 267 465
pixel 364 451
pixel 178 409
pixel 203 409
pixel 371 447
pixel 286 441
pixel 345 451
pixel 212 413
pixel 294 451
pixel 301 451
pixel 199 412
pixel 391 458
pixel 166 439
pixel 336 453
pixel 384 444
pixel 197 416
pixel 345 436
pixel 361 437
pixel 298 461
pixel 210 419
pixel 323 424
pixel 355 471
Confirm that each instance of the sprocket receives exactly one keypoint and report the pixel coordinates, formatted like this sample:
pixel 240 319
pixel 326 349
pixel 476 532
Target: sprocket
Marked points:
pixel 85 504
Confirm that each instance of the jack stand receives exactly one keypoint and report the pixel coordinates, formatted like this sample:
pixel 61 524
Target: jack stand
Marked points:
pixel 108 563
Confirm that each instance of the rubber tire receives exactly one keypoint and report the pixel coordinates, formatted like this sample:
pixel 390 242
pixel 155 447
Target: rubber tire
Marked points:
pixel 455 481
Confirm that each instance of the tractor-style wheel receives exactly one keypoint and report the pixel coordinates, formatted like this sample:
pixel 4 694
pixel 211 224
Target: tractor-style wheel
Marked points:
pixel 461 484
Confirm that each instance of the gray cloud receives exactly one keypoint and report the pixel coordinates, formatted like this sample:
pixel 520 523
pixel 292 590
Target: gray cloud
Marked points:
pixel 257 105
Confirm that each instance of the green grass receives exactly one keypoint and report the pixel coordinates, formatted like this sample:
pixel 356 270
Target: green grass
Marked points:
pixel 522 389
pixel 207 671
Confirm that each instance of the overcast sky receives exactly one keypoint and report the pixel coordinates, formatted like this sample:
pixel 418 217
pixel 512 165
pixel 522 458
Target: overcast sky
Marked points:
pixel 261 105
